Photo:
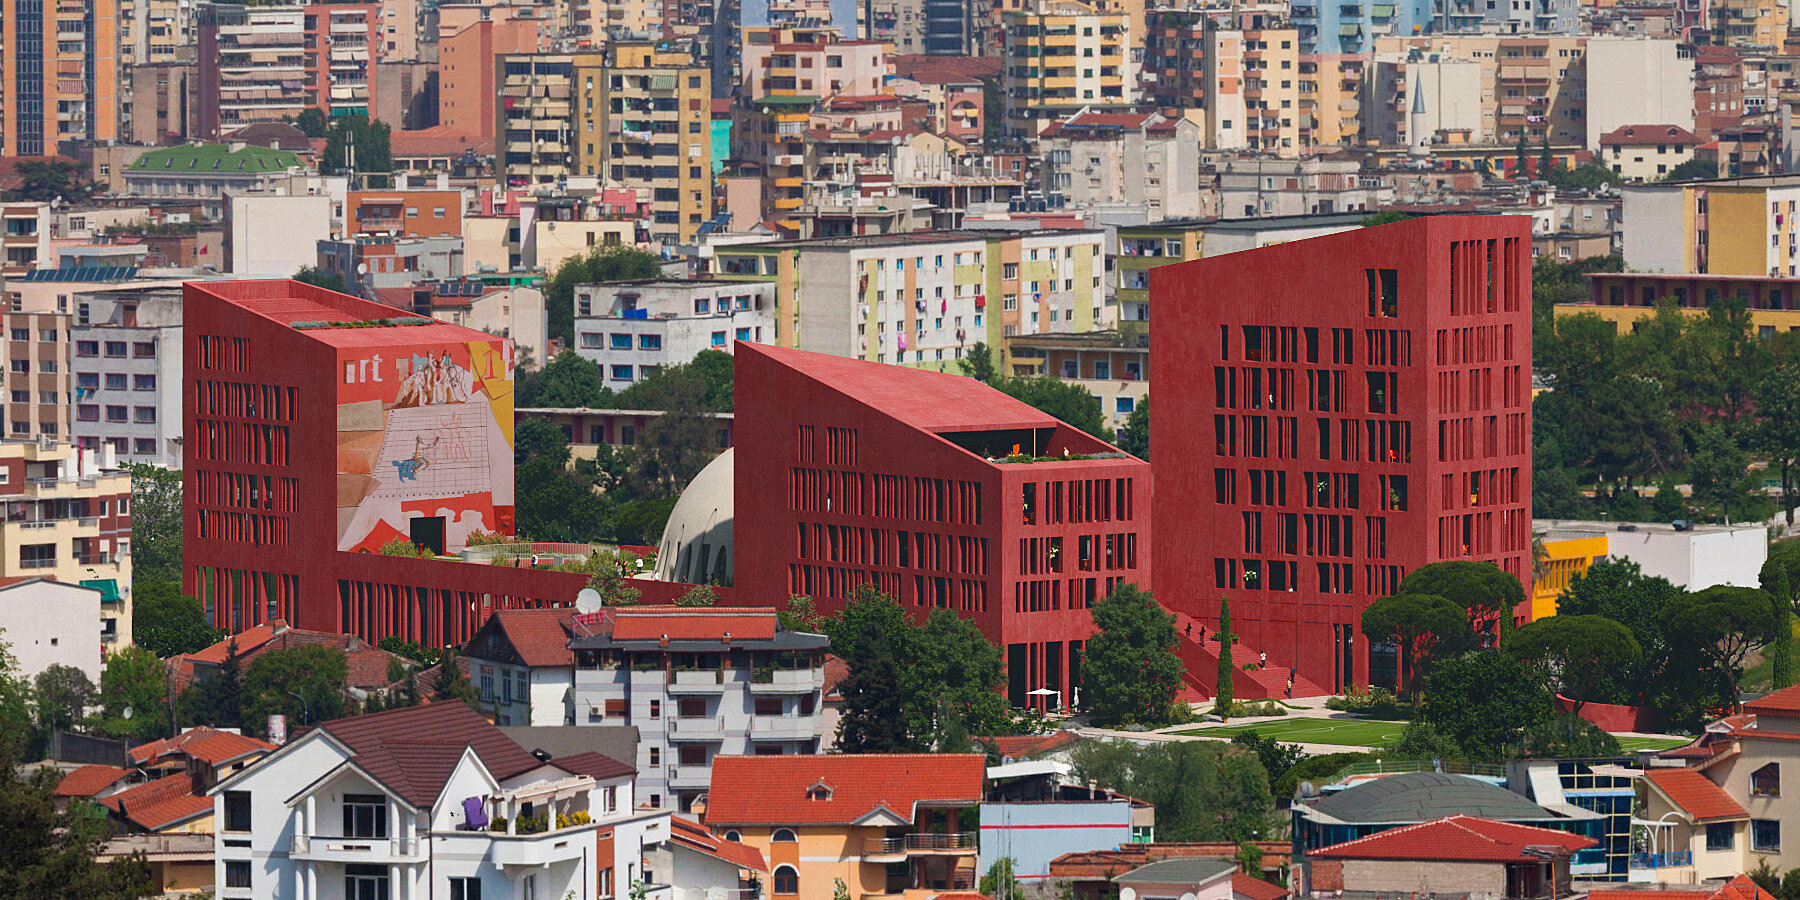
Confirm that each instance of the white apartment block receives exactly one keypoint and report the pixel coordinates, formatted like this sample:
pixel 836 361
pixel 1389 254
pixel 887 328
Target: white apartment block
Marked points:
pixel 695 682
pixel 632 329
pixel 127 373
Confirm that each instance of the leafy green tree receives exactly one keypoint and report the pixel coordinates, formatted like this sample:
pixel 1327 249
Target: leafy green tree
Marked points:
pixel 1425 627
pixel 554 505
pixel 356 143
pixel 1695 169
pixel 1202 790
pixel 53 849
pixel 641 522
pixel 674 446
pixel 1129 669
pixel 46 179
pixel 704 384
pixel 871 721
pixel 1668 504
pixel 1223 687
pixel 1277 758
pixel 449 684
pixel 1619 590
pixel 1589 176
pixel 978 363
pixel 1386 217
pixel 1777 430
pixel 1000 882
pixel 1567 736
pixel 16 712
pixel 1313 769
pixel 412 650
pixel 1249 859
pixel 1575 652
pixel 64 694
pixel 953 667
pixel 1720 471
pixel 306 684
pixel 134 692
pixel 1483 701
pixel 1722 624
pixel 1522 171
pixel 311 121
pixel 570 381
pixel 1546 162
pixel 1060 399
pixel 1422 740
pixel 217 700
pixel 1134 435
pixel 535 438
pixel 1489 594
pixel 317 277
pixel 167 622
pixel 993 112
pixel 615 263
pixel 698 595
pixel 155 525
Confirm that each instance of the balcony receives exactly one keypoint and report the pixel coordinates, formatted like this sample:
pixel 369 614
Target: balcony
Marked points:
pixel 786 681
pixel 797 728
pixel 1670 860
pixel 690 776
pixel 697 681
pixel 376 851
pixel 542 849
pixel 697 727
pixel 955 843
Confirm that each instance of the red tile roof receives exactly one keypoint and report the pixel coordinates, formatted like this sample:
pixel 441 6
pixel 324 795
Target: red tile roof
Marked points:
pixel 836 670
pixel 1777 703
pixel 1022 746
pixel 945 69
pixel 1252 888
pixel 1694 794
pixel 687 623
pixel 167 801
pixel 1648 135
pixel 90 780
pixel 413 750
pixel 368 666
pixel 208 745
pixel 440 140
pixel 770 790
pixel 694 835
pixel 1738 888
pixel 1456 838
pixel 593 764
pixel 539 636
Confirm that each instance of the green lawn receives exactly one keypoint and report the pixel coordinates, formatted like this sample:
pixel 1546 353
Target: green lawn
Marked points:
pixel 1344 732
pixel 1366 733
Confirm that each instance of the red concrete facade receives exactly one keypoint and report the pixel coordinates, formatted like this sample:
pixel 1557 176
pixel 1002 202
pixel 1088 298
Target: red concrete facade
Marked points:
pixel 1335 413
pixel 852 473
pixel 280 502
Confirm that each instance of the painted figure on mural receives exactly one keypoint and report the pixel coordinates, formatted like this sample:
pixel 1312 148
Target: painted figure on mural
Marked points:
pixel 435 380
pixel 410 468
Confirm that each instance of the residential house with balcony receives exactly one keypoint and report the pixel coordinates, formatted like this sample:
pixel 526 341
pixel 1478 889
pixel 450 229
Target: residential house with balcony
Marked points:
pixel 885 825
pixel 695 682
pixel 632 329
pixel 68 518
pixel 1724 810
pixel 26 240
pixel 430 802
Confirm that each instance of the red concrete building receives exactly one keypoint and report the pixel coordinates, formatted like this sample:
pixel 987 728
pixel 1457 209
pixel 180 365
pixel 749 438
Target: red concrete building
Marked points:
pixel 322 427
pixel 940 491
pixel 1351 407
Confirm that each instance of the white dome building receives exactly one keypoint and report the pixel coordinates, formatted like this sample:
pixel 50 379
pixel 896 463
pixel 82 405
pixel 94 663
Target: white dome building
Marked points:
pixel 696 544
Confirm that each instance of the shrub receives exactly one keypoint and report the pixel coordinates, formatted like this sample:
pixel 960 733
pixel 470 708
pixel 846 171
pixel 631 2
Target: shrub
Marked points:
pixel 1375 703
pixel 403 547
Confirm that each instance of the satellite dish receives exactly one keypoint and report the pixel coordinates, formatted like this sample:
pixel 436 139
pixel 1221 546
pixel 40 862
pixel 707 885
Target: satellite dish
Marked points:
pixel 362 268
pixel 127 712
pixel 587 601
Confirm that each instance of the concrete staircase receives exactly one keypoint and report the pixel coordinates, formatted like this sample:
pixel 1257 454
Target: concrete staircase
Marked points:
pixel 1200 657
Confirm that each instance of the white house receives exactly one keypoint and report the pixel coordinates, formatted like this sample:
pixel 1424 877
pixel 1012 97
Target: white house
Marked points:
pixel 432 802
pixel 47 623
pixel 633 328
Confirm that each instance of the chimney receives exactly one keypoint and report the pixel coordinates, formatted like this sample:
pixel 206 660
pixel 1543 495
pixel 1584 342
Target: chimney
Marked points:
pixel 727 638
pixel 665 641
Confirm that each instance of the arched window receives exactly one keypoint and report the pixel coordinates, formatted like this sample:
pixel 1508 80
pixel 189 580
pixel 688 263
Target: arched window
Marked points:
pixel 787 880
pixel 784 836
pixel 734 837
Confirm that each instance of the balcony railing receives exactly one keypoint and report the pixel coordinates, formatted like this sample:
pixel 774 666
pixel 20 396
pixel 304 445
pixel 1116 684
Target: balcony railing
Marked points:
pixel 353 849
pixel 921 842
pixel 1667 860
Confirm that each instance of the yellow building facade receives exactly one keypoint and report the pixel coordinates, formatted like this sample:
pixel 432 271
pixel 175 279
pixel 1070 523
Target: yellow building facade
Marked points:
pixel 1564 560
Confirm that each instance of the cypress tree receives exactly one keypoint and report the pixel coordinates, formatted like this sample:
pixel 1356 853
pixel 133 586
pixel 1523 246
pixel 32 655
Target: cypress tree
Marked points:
pixel 1782 672
pixel 1222 691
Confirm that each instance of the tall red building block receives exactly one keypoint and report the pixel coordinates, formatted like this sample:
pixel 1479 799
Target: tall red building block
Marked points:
pixel 938 490
pixel 319 427
pixel 1332 414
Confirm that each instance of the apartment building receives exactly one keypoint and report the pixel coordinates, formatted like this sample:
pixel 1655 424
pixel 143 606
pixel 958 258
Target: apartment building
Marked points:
pixel 885 826
pixel 1313 187
pixel 1334 28
pixel 646 124
pixel 1772 302
pixel 1353 439
pixel 25 239
pixel 68 518
pixel 1419 100
pixel 633 329
pixel 923 298
pixel 771 132
pixel 469 98
pixel 1124 161
pixel 1736 226
pixel 156 32
pixel 260 63
pixel 404 213
pixel 1064 56
pixel 1111 365
pixel 810 61
pixel 1647 152
pixel 1535 86
pixel 60 77
pixel 1331 108
pixel 428 802
pixel 1638 81
pixel 375 262
pixel 1762 24
pixel 535 117
pixel 38 382
pixel 127 377
pixel 697 683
